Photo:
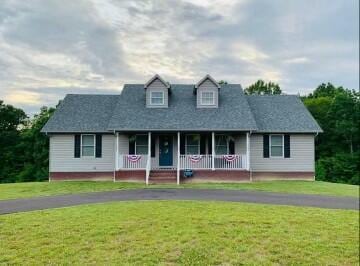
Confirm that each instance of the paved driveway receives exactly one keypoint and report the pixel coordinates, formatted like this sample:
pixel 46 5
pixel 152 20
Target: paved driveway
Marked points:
pixel 40 203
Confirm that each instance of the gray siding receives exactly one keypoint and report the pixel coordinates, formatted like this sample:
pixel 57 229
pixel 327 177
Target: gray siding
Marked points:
pixel 207 85
pixel 62 156
pixel 240 144
pixel 157 85
pixel 301 155
pixel 123 144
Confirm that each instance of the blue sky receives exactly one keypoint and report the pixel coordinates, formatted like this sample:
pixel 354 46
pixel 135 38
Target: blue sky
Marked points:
pixel 50 48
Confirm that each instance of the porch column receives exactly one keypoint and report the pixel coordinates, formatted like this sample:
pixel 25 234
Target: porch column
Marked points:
pixel 248 151
pixel 149 145
pixel 148 166
pixel 213 151
pixel 178 159
pixel 117 151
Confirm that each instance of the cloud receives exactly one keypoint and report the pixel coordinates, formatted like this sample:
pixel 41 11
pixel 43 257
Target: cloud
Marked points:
pixel 23 97
pixel 297 60
pixel 48 48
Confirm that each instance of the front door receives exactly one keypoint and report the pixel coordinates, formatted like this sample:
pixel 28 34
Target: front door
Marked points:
pixel 165 151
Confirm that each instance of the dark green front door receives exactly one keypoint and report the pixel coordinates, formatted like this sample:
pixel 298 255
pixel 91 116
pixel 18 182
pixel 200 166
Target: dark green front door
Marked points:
pixel 165 151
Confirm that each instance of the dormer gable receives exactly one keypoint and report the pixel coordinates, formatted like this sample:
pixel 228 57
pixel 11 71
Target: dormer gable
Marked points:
pixel 157 92
pixel 207 93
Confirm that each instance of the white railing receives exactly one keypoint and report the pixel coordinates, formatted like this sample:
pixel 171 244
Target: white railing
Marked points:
pixel 195 161
pixel 135 162
pixel 141 162
pixel 236 161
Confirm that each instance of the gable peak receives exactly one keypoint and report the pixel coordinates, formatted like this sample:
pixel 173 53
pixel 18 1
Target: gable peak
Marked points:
pixel 157 77
pixel 207 77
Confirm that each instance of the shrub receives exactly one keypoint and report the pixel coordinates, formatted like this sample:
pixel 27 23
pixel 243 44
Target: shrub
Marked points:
pixel 341 168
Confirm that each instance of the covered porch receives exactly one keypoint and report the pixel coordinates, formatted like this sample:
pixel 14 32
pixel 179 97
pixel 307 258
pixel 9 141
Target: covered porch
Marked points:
pixel 176 151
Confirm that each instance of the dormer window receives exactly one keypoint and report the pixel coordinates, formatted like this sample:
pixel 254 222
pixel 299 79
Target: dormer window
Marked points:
pixel 157 98
pixel 207 98
pixel 157 92
pixel 207 93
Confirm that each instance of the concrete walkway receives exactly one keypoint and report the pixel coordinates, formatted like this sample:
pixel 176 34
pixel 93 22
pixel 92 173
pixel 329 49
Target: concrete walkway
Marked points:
pixel 41 203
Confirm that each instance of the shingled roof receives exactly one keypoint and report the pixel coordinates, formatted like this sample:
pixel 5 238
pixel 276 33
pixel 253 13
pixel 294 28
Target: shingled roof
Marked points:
pixel 82 113
pixel 127 112
pixel 281 113
pixel 131 113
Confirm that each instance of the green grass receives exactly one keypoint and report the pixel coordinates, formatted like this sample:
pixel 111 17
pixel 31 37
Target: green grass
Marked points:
pixel 180 233
pixel 25 190
pixel 302 187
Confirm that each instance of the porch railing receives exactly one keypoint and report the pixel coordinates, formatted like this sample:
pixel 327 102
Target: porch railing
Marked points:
pixel 135 162
pixel 236 161
pixel 141 162
pixel 195 161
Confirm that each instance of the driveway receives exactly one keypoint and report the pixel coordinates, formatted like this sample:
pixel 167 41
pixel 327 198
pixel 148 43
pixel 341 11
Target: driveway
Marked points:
pixel 41 203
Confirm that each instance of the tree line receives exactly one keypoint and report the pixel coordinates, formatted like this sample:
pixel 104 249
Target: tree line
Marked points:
pixel 24 150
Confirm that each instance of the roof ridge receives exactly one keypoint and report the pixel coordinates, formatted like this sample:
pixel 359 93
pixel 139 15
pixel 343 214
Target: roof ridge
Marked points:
pixel 272 95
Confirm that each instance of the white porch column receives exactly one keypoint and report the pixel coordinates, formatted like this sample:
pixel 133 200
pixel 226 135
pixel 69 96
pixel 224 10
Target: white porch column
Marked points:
pixel 148 164
pixel 248 151
pixel 213 151
pixel 117 151
pixel 178 159
pixel 149 146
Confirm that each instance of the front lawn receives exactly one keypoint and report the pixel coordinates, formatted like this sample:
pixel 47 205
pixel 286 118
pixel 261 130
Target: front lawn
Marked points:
pixel 25 190
pixel 180 232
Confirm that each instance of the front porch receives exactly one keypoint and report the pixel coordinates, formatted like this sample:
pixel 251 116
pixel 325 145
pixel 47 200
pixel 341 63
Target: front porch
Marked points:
pixel 142 156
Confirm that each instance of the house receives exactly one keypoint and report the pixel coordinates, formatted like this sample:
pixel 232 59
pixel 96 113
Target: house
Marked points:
pixel 152 132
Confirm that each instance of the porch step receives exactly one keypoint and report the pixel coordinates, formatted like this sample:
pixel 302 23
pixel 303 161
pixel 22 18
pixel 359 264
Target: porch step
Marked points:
pixel 162 176
pixel 163 173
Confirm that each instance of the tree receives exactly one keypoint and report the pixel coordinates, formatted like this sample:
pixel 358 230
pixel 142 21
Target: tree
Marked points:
pixel 36 148
pixel 260 87
pixel 12 120
pixel 344 114
pixel 223 82
pixel 337 110
pixel 325 90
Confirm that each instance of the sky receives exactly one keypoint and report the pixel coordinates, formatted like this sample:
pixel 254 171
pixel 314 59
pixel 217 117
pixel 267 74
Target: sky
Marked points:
pixel 49 48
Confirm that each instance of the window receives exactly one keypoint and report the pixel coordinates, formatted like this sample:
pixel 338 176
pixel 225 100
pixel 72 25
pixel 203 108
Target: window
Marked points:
pixel 221 144
pixel 157 97
pixel 276 145
pixel 192 144
pixel 207 98
pixel 141 144
pixel 88 145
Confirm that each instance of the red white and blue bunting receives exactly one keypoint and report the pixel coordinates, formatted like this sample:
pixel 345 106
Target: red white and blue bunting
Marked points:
pixel 195 158
pixel 230 158
pixel 133 158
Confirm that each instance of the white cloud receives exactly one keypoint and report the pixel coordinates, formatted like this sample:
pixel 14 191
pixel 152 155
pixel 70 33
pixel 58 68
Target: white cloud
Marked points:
pixel 50 48
pixel 297 60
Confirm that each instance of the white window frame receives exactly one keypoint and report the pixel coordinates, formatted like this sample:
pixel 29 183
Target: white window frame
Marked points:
pixel 202 98
pixel 227 143
pixel 140 144
pixel 186 145
pixel 282 144
pixel 162 98
pixel 81 146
